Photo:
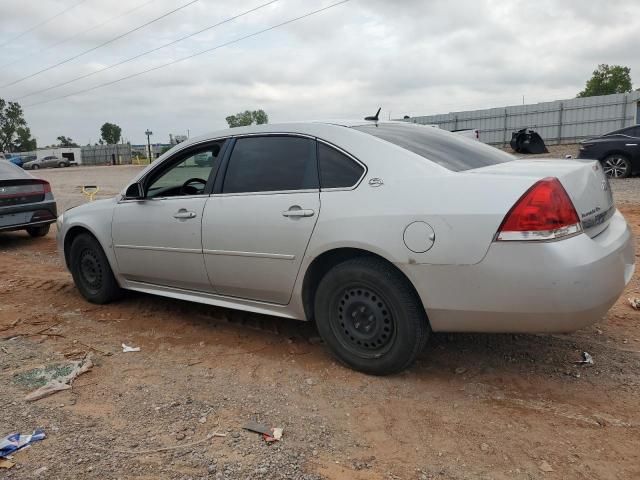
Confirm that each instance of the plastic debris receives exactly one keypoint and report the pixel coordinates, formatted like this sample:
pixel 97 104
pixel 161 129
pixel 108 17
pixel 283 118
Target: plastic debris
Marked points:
pixel 16 441
pixel 270 434
pixel 527 141
pixel 587 359
pixel 126 348
pixel 63 382
pixel 635 303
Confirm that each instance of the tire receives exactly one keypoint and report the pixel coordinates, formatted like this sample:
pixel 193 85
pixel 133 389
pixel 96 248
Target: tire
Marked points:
pixel 617 166
pixel 38 231
pixel 91 271
pixel 63 164
pixel 35 167
pixel 387 325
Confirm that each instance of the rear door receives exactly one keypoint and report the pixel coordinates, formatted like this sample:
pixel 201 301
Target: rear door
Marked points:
pixel 257 225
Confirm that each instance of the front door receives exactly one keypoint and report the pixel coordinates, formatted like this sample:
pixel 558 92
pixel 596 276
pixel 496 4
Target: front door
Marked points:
pixel 256 229
pixel 158 239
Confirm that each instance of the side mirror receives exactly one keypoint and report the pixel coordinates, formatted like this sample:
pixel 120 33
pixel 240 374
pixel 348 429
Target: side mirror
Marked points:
pixel 134 192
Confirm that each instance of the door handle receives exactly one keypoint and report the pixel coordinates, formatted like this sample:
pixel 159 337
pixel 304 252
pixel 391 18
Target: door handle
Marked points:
pixel 298 212
pixel 181 214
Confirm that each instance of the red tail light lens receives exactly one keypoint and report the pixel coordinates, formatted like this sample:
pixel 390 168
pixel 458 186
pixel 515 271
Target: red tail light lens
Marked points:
pixel 544 212
pixel 47 187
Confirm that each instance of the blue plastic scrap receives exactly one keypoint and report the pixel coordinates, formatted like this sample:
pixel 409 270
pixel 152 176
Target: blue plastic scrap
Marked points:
pixel 16 441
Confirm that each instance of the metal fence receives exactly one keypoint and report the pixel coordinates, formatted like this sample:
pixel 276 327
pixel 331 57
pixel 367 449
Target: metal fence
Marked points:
pixel 562 121
pixel 106 154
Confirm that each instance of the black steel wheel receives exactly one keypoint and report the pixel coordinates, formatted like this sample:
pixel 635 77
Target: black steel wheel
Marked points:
pixel 91 271
pixel 370 316
pixel 616 166
pixel 364 322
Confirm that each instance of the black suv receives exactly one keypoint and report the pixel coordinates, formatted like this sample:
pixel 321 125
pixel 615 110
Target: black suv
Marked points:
pixel 619 151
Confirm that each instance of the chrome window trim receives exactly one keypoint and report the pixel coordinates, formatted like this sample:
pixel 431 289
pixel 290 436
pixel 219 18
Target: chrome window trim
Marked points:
pixel 155 199
pixel 271 192
pixel 347 154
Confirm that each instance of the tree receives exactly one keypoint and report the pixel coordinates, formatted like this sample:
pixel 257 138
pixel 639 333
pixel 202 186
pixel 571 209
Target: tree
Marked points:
pixel 66 141
pixel 24 142
pixel 608 79
pixel 14 133
pixel 243 119
pixel 110 133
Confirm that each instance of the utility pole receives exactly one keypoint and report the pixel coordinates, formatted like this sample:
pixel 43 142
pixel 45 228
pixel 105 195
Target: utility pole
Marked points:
pixel 148 133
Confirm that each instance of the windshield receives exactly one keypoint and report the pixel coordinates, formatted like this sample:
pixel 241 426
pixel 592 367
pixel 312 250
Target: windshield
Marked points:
pixel 448 150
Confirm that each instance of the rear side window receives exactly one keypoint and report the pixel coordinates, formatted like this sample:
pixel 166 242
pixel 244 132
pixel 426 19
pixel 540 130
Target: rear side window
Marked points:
pixel 271 164
pixel 448 150
pixel 336 169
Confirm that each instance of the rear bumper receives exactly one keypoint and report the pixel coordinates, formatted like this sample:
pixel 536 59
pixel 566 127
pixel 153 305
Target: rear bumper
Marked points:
pixel 29 215
pixel 530 287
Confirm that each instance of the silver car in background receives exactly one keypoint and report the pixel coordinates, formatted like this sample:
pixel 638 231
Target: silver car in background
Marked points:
pixel 380 232
pixel 50 161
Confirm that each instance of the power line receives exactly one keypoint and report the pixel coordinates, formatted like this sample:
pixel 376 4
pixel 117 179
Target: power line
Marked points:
pixel 99 46
pixel 173 62
pixel 44 22
pixel 76 35
pixel 108 67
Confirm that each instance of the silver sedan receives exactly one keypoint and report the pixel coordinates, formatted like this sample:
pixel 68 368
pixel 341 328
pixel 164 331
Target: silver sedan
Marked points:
pixel 380 232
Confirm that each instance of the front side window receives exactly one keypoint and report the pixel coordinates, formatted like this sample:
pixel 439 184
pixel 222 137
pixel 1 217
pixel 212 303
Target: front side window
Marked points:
pixel 336 169
pixel 271 164
pixel 447 150
pixel 188 176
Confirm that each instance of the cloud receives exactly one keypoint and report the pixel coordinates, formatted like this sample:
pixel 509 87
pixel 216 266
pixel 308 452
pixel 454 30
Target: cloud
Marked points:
pixel 410 56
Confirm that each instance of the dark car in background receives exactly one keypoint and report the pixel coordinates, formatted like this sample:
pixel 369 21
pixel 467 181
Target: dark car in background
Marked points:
pixel 26 202
pixel 618 151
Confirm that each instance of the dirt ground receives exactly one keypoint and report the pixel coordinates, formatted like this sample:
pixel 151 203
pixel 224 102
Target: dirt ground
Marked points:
pixel 473 407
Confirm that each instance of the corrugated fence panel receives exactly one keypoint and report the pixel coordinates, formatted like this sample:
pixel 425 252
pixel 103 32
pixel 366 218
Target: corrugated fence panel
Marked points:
pixel 106 154
pixel 562 121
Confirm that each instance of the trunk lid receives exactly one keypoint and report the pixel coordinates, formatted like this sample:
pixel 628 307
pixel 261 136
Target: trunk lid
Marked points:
pixel 21 192
pixel 584 181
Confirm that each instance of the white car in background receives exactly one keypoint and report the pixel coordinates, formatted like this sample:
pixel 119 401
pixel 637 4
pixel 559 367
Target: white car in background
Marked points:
pixel 380 232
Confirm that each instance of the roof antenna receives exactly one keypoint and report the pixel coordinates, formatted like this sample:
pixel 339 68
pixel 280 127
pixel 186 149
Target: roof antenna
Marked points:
pixel 375 117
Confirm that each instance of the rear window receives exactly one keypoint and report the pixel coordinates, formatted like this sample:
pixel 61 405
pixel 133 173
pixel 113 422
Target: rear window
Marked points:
pixel 445 149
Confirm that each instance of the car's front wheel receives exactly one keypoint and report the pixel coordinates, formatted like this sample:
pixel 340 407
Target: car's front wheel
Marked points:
pixel 370 317
pixel 91 271
pixel 616 166
pixel 38 231
pixel 35 167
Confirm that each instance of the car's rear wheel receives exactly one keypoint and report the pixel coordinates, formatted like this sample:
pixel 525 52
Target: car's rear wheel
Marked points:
pixel 91 271
pixel 38 231
pixel 616 166
pixel 370 317
pixel 63 164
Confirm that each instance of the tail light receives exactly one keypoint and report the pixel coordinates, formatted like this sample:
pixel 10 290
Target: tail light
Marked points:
pixel 46 187
pixel 544 212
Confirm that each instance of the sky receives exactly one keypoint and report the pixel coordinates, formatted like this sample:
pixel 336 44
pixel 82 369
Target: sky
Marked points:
pixel 410 57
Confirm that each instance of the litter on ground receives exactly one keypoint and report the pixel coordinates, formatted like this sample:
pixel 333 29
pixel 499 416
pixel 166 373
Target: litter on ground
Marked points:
pixel 587 359
pixel 635 303
pixel 126 348
pixel 53 378
pixel 17 441
pixel 270 434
